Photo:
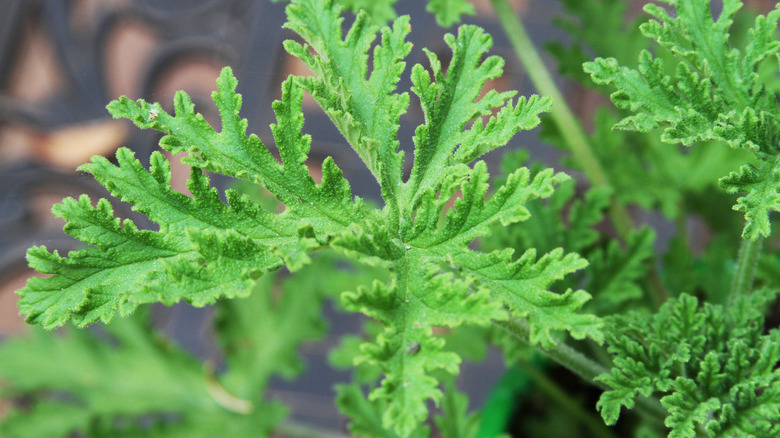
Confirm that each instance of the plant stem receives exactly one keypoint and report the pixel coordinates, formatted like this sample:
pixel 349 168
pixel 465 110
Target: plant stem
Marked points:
pixel 747 261
pixel 561 353
pixel 564 400
pixel 569 126
pixel 581 365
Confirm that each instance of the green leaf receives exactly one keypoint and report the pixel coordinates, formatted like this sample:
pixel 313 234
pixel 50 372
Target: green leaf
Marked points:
pixel 231 152
pixel 561 222
pixel 203 426
pixel 600 26
pixel 761 186
pixel 49 419
pixel 136 377
pixel 523 286
pixel 93 282
pixel 380 11
pixel 205 249
pixel 455 421
pixel 418 237
pixel 687 409
pixel 449 102
pixel 365 108
pixel 130 374
pixel 422 238
pixel 716 93
pixel 245 328
pixel 406 350
pixel 614 272
pixel 713 367
pixel 448 12
pixel 365 415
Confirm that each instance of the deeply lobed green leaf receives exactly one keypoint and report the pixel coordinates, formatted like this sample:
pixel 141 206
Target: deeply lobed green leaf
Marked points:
pixel 716 93
pixel 208 249
pixel 712 366
pixel 447 12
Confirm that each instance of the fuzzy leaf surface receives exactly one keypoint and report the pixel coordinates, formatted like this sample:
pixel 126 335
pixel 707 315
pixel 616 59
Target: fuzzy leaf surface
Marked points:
pixel 205 249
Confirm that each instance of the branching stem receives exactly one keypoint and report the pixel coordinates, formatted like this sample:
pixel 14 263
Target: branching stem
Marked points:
pixel 581 365
pixel 561 353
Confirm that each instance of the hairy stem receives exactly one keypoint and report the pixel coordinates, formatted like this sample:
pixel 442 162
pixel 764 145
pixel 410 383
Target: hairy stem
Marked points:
pixel 561 353
pixel 747 262
pixel 581 365
pixel 569 126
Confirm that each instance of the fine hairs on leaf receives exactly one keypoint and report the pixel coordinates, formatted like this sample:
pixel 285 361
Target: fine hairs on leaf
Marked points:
pixel 206 250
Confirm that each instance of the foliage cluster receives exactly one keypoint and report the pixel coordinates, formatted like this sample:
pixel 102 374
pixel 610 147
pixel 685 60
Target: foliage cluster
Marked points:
pixel 452 259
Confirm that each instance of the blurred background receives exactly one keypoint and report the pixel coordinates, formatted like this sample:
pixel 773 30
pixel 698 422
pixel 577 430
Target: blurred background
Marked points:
pixel 62 61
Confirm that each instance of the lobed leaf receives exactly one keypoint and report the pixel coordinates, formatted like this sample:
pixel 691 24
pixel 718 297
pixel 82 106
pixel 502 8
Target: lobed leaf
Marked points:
pixel 716 93
pixel 365 108
pixel 713 367
pixel 448 12
pixel 614 271
pixel 207 249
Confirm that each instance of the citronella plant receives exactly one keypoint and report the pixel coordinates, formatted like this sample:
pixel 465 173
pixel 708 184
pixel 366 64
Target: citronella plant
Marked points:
pixel 715 93
pixel 722 377
pixel 500 261
pixel 207 250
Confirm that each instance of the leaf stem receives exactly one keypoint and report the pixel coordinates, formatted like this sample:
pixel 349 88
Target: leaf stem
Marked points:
pixel 561 353
pixel 569 126
pixel 747 262
pixel 581 365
